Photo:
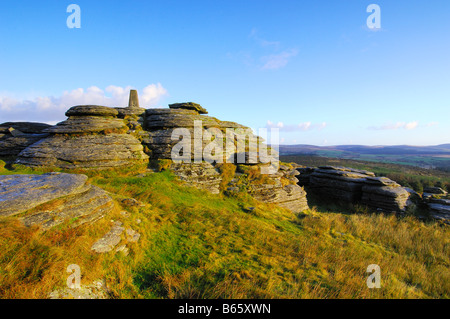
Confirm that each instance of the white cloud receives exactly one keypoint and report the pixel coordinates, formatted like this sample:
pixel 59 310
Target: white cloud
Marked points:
pixel 279 60
pixel 51 109
pixel 396 126
pixel 305 126
pixel 411 125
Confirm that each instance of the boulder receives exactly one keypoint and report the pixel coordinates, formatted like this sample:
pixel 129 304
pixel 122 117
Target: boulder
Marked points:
pixel 92 138
pixel 189 106
pixel 200 175
pixel 92 110
pixel 109 240
pixel 66 197
pixel 356 186
pixel 25 127
pixel 16 136
pixel 84 151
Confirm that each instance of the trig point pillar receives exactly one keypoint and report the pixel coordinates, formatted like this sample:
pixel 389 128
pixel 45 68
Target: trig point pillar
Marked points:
pixel 134 100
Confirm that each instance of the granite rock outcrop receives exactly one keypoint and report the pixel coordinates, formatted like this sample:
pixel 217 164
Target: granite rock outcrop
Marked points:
pixel 92 137
pixel 356 186
pixel 16 136
pixel 438 203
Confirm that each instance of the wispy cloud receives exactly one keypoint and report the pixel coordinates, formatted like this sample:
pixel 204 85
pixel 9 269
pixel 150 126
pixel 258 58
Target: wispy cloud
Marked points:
pixel 396 126
pixel 263 42
pixel 279 60
pixel 52 108
pixel 305 126
pixel 267 55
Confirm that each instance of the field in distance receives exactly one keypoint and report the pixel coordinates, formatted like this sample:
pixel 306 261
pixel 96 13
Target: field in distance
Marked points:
pixel 428 157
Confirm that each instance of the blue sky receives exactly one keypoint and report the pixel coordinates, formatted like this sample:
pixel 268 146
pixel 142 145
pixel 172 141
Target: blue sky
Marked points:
pixel 313 69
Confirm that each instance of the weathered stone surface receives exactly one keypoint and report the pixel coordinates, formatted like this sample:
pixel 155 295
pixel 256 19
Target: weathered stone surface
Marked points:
pixel 110 240
pixel 16 136
pixel 130 111
pixel 132 235
pixel 25 127
pixel 77 201
pixel 385 197
pixel 95 290
pixel 292 197
pixel 12 146
pixel 92 110
pixel 88 206
pixel 438 203
pixel 92 137
pixel 86 151
pixel 355 186
pixel 161 123
pixel 202 175
pixel 133 100
pixel 435 190
pixel 189 106
pixel 19 193
pixel 87 124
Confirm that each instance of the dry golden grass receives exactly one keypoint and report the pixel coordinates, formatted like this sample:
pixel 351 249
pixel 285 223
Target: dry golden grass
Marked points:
pixel 197 245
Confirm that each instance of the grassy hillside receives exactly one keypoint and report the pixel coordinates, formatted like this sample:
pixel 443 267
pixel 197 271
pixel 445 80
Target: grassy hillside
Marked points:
pixel 197 245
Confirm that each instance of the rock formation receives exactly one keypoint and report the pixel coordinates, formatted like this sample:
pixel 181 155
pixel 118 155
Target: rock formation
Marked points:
pixel 92 137
pixel 16 136
pixel 50 199
pixel 438 202
pixel 97 137
pixel 160 125
pixel 289 196
pixel 355 186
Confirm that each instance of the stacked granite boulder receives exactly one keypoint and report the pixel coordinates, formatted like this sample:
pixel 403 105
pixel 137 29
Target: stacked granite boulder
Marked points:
pixel 16 136
pixel 356 186
pixel 160 138
pixel 50 199
pixel 92 137
pixel 160 124
pixel 281 189
pixel 200 175
pixel 385 194
pixel 438 202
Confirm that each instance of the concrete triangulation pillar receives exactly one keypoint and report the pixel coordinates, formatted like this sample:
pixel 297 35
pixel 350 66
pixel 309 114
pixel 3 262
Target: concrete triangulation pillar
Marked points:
pixel 134 100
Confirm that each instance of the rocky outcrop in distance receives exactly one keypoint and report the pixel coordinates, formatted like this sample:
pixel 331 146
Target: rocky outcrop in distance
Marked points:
pixel 356 186
pixel 347 185
pixel 438 203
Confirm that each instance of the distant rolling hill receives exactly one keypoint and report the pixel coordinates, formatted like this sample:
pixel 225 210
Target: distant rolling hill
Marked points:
pixel 443 149
pixel 437 156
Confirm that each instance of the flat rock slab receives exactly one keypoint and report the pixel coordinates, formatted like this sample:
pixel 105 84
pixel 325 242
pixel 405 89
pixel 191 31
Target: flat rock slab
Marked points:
pixel 25 127
pixel 110 240
pixel 189 106
pixel 91 110
pixel 19 193
pixel 86 124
